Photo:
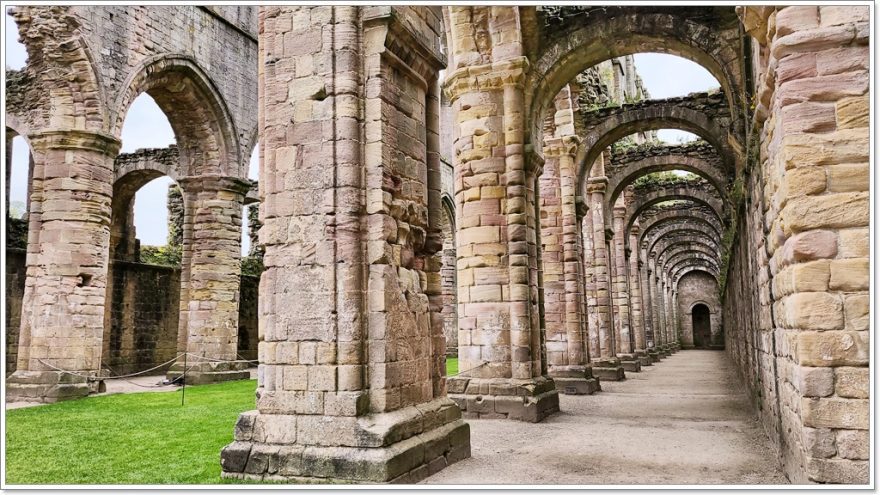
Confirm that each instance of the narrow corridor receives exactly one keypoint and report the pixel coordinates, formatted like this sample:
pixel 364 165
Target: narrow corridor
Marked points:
pixel 685 420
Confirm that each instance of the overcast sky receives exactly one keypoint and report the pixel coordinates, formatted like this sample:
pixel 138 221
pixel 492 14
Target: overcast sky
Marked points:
pixel 147 127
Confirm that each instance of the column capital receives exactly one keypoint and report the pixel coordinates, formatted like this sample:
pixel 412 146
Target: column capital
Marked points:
pixel 75 139
pixel 561 146
pixel 597 184
pixel 488 77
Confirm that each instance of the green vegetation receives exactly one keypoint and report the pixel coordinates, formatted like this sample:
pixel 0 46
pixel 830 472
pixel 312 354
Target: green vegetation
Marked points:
pixel 451 366
pixel 665 179
pixel 252 265
pixel 142 438
pixel 168 255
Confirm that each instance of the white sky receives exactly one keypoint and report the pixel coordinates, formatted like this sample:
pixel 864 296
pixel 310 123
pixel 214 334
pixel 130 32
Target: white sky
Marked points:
pixel 147 127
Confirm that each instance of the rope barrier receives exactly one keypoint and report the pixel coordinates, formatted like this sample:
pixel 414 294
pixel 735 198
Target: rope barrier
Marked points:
pixel 98 378
pixel 196 356
pixel 468 370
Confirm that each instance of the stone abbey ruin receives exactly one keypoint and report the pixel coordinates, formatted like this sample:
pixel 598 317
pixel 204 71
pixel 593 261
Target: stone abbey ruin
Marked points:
pixel 474 181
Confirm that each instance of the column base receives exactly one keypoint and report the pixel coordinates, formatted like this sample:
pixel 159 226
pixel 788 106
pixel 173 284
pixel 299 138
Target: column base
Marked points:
pixel 529 400
pixel 654 355
pixel 47 386
pixel 402 446
pixel 209 372
pixel 575 380
pixel 643 358
pixel 630 363
pixel 609 371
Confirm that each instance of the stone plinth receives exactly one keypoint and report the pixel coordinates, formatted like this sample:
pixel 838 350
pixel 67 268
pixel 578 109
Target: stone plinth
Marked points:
pixel 575 380
pixel 46 386
pixel 403 446
pixel 643 358
pixel 630 363
pixel 609 370
pixel 209 372
pixel 529 400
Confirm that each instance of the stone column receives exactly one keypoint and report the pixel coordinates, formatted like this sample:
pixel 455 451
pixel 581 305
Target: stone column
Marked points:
pixel 499 337
pixel 635 296
pixel 350 341
pixel 10 135
pixel 659 316
pixel 645 275
pixel 68 243
pixel 620 298
pixel 667 312
pixel 209 311
pixel 573 373
pixel 606 365
pixel 590 284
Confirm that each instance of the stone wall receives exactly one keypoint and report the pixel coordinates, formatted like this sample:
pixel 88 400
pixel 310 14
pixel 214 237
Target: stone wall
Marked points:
pixel 694 288
pixel 812 272
pixel 144 315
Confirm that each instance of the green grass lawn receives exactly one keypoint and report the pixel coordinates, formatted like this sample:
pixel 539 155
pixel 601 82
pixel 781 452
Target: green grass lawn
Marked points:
pixel 142 438
pixel 451 366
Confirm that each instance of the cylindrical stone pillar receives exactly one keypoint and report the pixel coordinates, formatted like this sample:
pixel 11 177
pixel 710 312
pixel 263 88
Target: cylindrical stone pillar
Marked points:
pixel 62 321
pixel 500 336
pixel 209 312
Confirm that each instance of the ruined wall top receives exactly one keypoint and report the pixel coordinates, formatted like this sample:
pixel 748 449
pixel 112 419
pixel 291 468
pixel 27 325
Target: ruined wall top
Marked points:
pixel 696 149
pixel 712 103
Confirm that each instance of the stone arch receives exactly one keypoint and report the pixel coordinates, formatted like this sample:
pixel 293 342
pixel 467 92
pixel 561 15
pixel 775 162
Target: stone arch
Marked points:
pixel 676 252
pixel 644 200
pixel 131 343
pixel 674 229
pixel 69 91
pixel 666 30
pixel 678 215
pixel 699 159
pixel 163 161
pixel 691 269
pixel 701 301
pixel 674 246
pixel 612 124
pixel 674 271
pixel 203 126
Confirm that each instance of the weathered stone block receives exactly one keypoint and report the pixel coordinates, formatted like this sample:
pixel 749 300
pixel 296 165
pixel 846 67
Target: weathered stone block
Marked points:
pixel 835 413
pixel 850 274
pixel 837 471
pixel 854 444
pixel 819 442
pixel 816 382
pixel 812 310
pixel 832 348
pixel 852 382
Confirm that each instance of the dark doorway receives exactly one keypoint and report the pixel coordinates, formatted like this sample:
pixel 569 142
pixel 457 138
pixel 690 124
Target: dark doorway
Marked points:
pixel 702 326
